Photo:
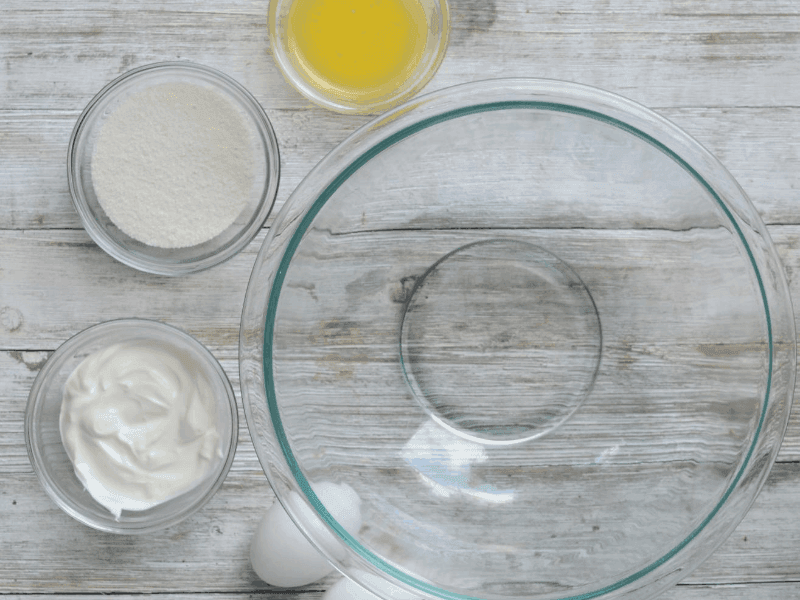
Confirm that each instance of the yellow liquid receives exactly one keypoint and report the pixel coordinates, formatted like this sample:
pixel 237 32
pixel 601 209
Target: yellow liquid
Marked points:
pixel 356 49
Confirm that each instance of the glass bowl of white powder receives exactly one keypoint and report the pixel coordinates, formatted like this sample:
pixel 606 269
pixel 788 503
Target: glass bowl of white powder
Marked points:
pixel 131 426
pixel 173 168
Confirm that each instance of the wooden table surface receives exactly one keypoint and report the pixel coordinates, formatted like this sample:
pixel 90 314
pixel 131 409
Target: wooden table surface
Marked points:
pixel 727 71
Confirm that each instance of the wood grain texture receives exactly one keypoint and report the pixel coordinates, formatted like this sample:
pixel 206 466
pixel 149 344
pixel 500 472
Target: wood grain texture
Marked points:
pixel 726 71
pixel 726 56
pixel 774 591
pixel 45 550
pixel 58 282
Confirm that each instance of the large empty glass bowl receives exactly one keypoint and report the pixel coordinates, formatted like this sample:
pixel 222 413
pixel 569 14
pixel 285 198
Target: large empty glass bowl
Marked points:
pixel 539 330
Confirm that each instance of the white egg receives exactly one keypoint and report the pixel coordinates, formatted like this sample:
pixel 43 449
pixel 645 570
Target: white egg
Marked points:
pixel 347 589
pixel 282 556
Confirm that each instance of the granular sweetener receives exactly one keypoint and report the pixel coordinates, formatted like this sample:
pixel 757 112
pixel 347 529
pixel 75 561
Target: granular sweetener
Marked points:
pixel 174 165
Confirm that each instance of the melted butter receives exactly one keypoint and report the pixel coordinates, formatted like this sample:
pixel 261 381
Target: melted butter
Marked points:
pixel 357 49
pixel 138 424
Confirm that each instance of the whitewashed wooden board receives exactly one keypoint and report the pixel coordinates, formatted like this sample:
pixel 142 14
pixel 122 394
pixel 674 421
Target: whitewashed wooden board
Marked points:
pixel 727 71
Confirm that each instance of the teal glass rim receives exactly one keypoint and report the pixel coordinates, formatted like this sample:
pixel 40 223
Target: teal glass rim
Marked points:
pixel 330 190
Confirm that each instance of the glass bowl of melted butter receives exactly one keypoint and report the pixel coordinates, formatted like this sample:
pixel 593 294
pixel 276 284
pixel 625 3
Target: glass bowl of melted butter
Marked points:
pixel 358 56
pixel 131 426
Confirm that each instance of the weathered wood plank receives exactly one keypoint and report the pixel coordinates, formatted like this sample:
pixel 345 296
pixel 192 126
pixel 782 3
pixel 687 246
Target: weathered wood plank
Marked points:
pixel 61 57
pixel 772 591
pixel 310 592
pixel 20 369
pixel 42 546
pixel 207 552
pixel 754 144
pixel 43 291
pixel 44 299
pixel 759 538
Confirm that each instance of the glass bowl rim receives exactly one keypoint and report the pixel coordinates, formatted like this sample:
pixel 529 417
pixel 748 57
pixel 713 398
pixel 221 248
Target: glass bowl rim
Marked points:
pixel 67 348
pixel 357 152
pixel 147 264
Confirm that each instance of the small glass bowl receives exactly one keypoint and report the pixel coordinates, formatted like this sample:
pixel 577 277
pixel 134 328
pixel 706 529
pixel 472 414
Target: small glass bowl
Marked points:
pixel 438 18
pixel 54 467
pixel 171 261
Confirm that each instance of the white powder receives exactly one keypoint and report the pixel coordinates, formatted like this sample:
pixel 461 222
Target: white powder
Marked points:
pixel 174 165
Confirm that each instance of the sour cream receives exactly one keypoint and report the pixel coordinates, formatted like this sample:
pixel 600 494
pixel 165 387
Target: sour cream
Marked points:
pixel 139 424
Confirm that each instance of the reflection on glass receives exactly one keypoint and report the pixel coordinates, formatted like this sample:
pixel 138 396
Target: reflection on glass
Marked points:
pixel 444 462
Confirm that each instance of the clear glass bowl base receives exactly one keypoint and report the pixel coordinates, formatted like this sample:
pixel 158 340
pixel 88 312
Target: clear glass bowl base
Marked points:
pixel 508 309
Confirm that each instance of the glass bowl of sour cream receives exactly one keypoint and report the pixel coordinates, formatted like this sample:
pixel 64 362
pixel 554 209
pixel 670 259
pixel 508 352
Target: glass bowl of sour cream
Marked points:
pixel 131 426
pixel 358 56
